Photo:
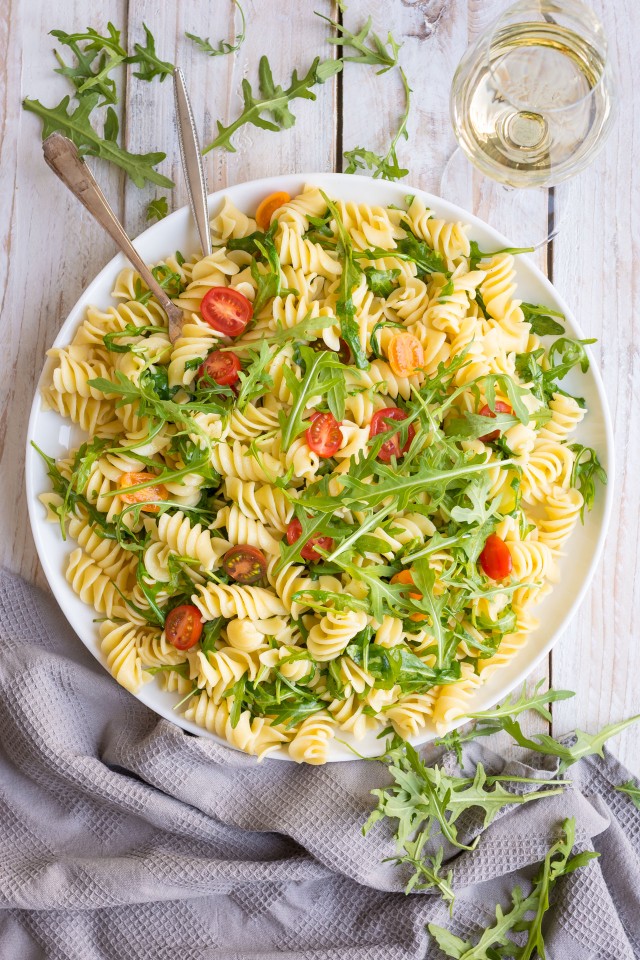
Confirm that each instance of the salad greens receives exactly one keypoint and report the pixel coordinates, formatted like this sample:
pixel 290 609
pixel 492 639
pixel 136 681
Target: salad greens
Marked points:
pixel 224 47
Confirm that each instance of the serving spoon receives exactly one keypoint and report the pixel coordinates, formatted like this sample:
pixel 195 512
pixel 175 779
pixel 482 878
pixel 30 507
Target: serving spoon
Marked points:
pixel 61 154
pixel 192 164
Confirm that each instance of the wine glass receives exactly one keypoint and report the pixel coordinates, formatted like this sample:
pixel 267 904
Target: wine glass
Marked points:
pixel 532 103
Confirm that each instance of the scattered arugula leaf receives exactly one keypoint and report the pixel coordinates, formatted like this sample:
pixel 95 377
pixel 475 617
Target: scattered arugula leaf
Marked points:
pixel 322 371
pixel 224 47
pixel 632 790
pixel 146 58
pixel 495 941
pixel 386 167
pixel 157 209
pixel 273 100
pixel 255 381
pixel 109 53
pixel 140 167
pixel 378 53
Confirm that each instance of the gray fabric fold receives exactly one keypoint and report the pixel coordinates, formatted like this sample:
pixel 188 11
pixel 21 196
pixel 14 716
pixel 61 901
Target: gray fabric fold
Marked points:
pixel 123 836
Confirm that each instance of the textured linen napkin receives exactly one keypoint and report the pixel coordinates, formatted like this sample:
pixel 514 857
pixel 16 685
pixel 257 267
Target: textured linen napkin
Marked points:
pixel 121 836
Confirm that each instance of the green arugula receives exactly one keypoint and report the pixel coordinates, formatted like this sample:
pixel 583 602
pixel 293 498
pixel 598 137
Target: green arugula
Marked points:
pixel 157 209
pixel 422 798
pixel 109 53
pixel 411 249
pixel 322 372
pixel 476 254
pixel 273 100
pixel 224 47
pixel 146 58
pixel 140 167
pixel 632 790
pixel 586 470
pixel 377 53
pixel 255 381
pixel 495 941
pixel 542 320
pixel 562 356
pixel 349 279
pixel 386 167
pixel 381 282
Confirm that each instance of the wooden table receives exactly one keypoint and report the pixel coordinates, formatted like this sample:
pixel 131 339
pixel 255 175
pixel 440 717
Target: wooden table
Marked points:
pixel 52 249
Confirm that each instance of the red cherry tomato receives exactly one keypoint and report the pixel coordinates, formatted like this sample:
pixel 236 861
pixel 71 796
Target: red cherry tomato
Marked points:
pixel 244 563
pixel 323 436
pixel 221 366
pixel 226 310
pixel 495 558
pixel 391 447
pixel 488 412
pixel 183 626
pixel 294 531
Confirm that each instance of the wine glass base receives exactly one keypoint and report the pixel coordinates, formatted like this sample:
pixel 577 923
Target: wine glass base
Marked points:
pixel 528 217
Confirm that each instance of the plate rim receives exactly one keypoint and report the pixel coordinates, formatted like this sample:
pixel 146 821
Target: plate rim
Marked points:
pixel 447 210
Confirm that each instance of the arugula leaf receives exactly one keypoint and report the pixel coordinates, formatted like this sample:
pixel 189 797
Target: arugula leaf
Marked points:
pixel 570 353
pixel 586 744
pixel 476 254
pixel 422 797
pixel 157 209
pixel 541 319
pixel 495 941
pixel 632 790
pixel 586 470
pixel 413 250
pixel 107 49
pixel 322 371
pixel 349 278
pixel 274 100
pixel 148 61
pixel 387 166
pixel 381 282
pixel 255 381
pixel 268 281
pixel 426 871
pixel 376 54
pixel 224 47
pixel 140 167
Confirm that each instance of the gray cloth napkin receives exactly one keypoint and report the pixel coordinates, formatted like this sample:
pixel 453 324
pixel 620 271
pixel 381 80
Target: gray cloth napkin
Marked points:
pixel 123 837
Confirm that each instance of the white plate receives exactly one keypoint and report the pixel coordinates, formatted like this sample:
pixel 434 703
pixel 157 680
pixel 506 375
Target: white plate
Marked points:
pixel 176 232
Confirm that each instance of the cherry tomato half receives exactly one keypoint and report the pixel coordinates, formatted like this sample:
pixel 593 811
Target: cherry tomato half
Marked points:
pixel 156 491
pixel 495 558
pixel 221 366
pixel 324 436
pixel 226 310
pixel 267 208
pixel 294 531
pixel 488 412
pixel 405 576
pixel 406 355
pixel 244 563
pixel 183 626
pixel 391 447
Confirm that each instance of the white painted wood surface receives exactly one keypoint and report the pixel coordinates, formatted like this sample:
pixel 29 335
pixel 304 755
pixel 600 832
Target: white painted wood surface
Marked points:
pixel 52 250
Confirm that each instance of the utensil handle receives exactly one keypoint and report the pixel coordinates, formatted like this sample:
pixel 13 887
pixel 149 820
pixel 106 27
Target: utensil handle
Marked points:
pixel 62 156
pixel 192 161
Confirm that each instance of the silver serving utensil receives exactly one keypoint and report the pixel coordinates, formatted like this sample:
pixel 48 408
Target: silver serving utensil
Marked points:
pixel 61 154
pixel 192 161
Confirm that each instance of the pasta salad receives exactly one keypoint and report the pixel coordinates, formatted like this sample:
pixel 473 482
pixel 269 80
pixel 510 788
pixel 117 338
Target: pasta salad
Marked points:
pixel 335 501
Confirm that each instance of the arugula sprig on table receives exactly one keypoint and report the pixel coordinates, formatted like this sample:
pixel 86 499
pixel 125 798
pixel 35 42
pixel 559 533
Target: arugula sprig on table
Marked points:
pixel 224 47
pixel 386 167
pixel 74 123
pixel 374 53
pixel 495 941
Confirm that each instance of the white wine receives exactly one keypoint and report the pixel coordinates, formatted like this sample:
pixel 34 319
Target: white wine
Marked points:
pixel 532 106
